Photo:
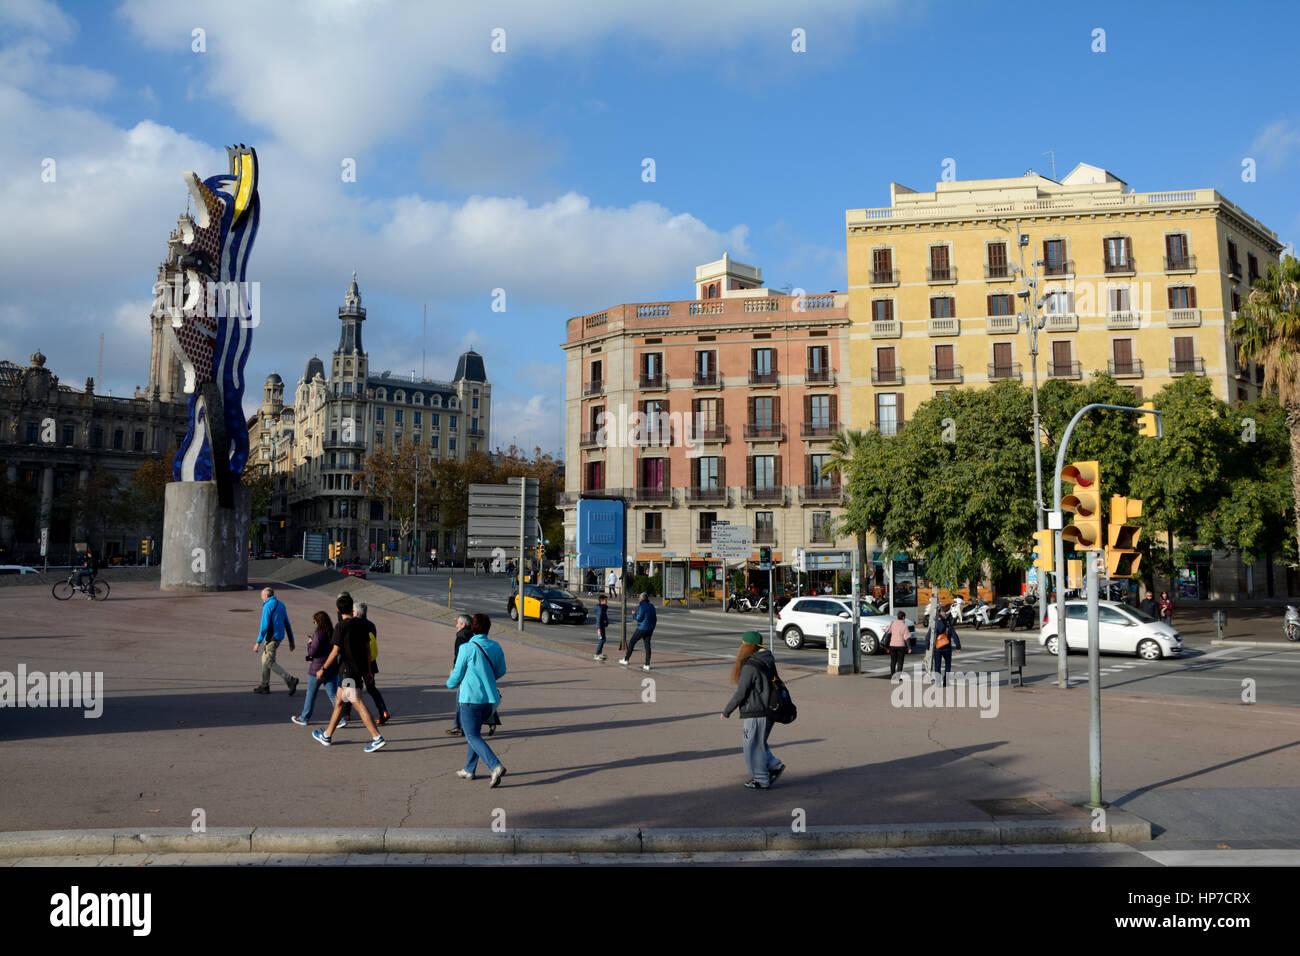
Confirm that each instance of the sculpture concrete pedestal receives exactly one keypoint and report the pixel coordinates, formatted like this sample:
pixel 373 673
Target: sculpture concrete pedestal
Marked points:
pixel 204 546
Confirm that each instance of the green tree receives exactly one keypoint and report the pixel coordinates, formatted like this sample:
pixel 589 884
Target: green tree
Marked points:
pixel 1267 331
pixel 843 448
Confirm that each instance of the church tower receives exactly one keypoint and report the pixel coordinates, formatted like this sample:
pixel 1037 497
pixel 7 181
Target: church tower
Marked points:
pixel 349 364
pixel 165 371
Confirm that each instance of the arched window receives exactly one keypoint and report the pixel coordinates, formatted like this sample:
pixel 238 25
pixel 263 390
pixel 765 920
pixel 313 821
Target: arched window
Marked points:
pixel 399 396
pixel 418 398
pixel 381 394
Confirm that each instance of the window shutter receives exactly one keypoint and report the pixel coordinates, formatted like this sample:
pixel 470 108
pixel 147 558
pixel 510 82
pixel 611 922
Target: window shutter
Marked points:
pixel 835 410
pixel 668 467
pixel 808 471
pixel 932 304
pixel 807 408
pixel 1128 249
pixel 749 471
pixel 877 409
pixel 751 418
pixel 1169 249
pixel 898 399
pixel 722 473
pixel 776 409
pixel 695 473
pixel 776 471
pixel 1191 297
pixel 718 420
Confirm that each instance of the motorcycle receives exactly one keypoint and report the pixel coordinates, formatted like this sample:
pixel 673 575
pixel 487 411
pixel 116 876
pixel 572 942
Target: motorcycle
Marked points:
pixel 1022 615
pixel 992 615
pixel 1291 626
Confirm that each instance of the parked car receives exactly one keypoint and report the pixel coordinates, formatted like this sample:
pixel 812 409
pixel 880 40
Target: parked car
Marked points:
pixel 806 618
pixel 17 569
pixel 1121 630
pixel 355 570
pixel 547 605
pixel 379 566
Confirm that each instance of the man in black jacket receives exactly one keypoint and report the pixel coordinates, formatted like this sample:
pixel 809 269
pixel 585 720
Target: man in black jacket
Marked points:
pixel 462 635
pixel 602 622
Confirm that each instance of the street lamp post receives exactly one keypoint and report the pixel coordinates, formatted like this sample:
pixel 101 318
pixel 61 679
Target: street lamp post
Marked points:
pixel 1030 319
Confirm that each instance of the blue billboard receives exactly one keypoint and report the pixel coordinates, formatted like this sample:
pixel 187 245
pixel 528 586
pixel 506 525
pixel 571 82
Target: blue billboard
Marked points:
pixel 600 533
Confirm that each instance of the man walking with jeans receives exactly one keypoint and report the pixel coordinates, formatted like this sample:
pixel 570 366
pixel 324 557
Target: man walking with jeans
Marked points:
pixel 352 650
pixel 645 628
pixel 275 625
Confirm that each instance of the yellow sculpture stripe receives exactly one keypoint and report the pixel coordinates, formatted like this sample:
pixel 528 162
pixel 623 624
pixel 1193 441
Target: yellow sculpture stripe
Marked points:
pixel 246 181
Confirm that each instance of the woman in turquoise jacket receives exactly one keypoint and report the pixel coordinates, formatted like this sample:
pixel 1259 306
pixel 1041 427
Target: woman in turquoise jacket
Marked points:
pixel 479 665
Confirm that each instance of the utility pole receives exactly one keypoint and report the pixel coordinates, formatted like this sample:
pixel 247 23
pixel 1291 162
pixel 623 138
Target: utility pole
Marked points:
pixel 415 526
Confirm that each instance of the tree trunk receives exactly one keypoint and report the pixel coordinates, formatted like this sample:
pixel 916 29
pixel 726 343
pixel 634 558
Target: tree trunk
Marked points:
pixel 1293 428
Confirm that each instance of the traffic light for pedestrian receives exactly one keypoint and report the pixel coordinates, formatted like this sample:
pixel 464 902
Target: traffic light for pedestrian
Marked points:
pixel 144 546
pixel 1044 552
pixel 1084 532
pixel 1122 559
pixel 1149 421
pixel 765 558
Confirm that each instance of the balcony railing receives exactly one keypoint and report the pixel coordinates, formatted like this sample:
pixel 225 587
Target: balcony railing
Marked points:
pixel 706 379
pixel 706 494
pixel 1187 366
pixel 763 377
pixel 1123 320
pixel 1063 370
pixel 1180 264
pixel 703 535
pixel 753 493
pixel 821 535
pixel 1125 267
pixel 888 426
pixel 1132 368
pixel 1010 370
pixel 1063 267
pixel 889 375
pixel 651 380
pixel 945 373
pixel 652 535
pixel 1183 318
pixel 1234 270
pixel 947 326
pixel 884 276
pixel 941 274
pixel 772 431
pixel 713 433
pixel 654 494
pixel 819 376
pixel 886 329
pixel 1062 322
pixel 765 536
pixel 1001 324
pixel 594 439
pixel 819 429
pixel 821 492
pixel 593 388
pixel 1002 271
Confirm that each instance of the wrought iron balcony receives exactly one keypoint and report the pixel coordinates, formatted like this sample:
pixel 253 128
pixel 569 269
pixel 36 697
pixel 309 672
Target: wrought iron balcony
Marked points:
pixel 771 431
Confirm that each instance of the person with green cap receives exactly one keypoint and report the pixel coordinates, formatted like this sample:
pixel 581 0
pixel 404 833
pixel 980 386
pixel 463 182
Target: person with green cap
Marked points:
pixel 752 674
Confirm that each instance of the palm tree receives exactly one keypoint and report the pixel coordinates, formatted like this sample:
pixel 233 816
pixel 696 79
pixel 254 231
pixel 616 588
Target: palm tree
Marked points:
pixel 1267 331
pixel 844 449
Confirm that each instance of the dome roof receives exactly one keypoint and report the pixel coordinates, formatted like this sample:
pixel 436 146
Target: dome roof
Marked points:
pixel 470 368
pixel 314 367
pixel 274 379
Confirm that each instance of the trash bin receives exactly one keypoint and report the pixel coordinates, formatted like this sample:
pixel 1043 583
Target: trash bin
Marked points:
pixel 1014 649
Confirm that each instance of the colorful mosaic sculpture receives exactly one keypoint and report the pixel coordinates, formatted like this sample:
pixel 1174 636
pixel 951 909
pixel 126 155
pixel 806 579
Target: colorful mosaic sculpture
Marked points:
pixel 213 333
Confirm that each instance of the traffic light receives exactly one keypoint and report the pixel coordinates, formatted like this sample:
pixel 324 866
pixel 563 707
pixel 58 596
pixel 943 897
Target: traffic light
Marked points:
pixel 331 551
pixel 1073 574
pixel 1122 559
pixel 1085 501
pixel 144 546
pixel 1044 552
pixel 764 558
pixel 1149 422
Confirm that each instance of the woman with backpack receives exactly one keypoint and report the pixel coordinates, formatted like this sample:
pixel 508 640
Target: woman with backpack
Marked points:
pixel 753 674
pixel 945 642
pixel 318 648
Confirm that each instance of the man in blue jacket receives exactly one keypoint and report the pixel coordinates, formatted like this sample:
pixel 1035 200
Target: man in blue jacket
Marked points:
pixel 645 628
pixel 275 625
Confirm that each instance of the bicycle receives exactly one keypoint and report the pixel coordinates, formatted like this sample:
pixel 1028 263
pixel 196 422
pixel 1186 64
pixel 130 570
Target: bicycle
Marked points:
pixel 96 590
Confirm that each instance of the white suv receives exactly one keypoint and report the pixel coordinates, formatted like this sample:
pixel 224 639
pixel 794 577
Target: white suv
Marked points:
pixel 806 618
pixel 1121 630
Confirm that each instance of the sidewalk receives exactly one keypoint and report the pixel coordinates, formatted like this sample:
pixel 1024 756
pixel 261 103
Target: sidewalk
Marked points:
pixel 641 759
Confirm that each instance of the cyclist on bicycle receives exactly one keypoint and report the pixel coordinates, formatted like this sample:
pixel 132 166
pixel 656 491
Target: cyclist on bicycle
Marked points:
pixel 89 568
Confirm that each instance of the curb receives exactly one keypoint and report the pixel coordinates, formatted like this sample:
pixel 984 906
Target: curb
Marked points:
pixel 1122 827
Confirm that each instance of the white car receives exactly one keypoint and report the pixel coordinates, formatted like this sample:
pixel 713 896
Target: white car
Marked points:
pixel 1121 630
pixel 806 618
pixel 17 569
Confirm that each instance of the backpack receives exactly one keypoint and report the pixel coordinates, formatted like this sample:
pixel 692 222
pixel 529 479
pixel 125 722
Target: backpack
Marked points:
pixel 780 705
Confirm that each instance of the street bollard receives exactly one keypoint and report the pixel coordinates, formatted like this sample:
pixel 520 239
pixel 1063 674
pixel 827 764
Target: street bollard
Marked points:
pixel 1015 654
pixel 449 592
pixel 1220 621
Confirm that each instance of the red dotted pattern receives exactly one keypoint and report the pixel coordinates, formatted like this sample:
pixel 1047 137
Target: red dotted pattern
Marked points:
pixel 196 338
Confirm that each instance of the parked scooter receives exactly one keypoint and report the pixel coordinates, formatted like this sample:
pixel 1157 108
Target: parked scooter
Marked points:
pixel 992 615
pixel 1291 626
pixel 1022 615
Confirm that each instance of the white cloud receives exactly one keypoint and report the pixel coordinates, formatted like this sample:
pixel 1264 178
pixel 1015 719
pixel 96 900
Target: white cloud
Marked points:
pixel 529 422
pixel 1276 144
pixel 41 17
pixel 337 79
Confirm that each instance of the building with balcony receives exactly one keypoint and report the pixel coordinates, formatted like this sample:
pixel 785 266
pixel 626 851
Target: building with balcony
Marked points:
pixel 717 408
pixel 315 449
pixel 1143 285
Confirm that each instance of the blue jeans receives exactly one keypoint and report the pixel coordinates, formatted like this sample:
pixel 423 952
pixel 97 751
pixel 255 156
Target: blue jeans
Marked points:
pixel 600 642
pixel 313 681
pixel 472 717
pixel 758 755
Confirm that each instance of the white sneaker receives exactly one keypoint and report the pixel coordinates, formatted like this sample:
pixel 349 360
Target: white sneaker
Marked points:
pixel 645 667
pixel 602 657
pixel 623 662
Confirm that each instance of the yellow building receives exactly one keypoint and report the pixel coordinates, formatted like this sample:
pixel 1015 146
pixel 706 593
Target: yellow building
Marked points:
pixel 1142 285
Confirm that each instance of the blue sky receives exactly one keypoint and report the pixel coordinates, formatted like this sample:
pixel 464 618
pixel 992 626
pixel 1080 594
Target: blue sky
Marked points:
pixel 522 170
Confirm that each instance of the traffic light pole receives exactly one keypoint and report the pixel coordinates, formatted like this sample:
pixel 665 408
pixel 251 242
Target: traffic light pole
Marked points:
pixel 1094 688
pixel 1031 321
pixel 1062 671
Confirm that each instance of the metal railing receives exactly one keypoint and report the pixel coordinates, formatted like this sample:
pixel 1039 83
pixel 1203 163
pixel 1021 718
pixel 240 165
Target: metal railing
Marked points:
pixel 652 380
pixel 884 276
pixel 1180 264
pixel 713 433
pixel 821 492
pixel 997 272
pixel 945 373
pixel 1131 368
pixel 706 494
pixel 750 493
pixel 594 439
pixel 1063 370
pixel 652 535
pixel 772 431
pixel 941 273
pixel 818 428
pixel 1010 370
pixel 705 379
pixel 593 388
pixel 763 377
pixel 889 375
pixel 821 376
pixel 1126 267
pixel 1064 267
pixel 653 494
pixel 1188 366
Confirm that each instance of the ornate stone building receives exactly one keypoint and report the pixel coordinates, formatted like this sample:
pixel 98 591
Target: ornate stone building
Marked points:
pixel 315 448
pixel 53 438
